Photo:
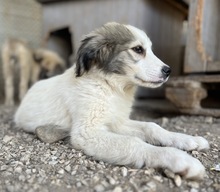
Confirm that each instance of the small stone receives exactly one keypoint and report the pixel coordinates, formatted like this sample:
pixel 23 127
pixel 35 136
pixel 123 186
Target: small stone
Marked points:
pixel 3 167
pixel 115 169
pixel 117 189
pixel 61 171
pixel 25 158
pixel 42 173
pixel 31 180
pixel 149 171
pixel 165 120
pixel 28 171
pixel 10 188
pixel 169 173
pixel 7 173
pixel 68 168
pixel 158 178
pixel 209 120
pixel 105 184
pixel 124 171
pixel 133 170
pixel 53 162
pixel 73 172
pixel 18 169
pixel 21 178
pixel 68 187
pixel 111 181
pixel 84 182
pixel 195 152
pixel 73 150
pixel 216 186
pixel 95 179
pixel 7 138
pixel 79 154
pixel 53 152
pixel 80 161
pixel 67 163
pixel 78 184
pixel 53 158
pixel 204 154
pixel 151 185
pixel 193 184
pixel 99 188
pixel 177 180
pixel 10 169
pixel 70 156
pixel 193 190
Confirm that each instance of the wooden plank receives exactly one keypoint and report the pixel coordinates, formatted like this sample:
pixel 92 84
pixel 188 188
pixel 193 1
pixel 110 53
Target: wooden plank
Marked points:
pixel 203 44
pixel 213 66
pixel 202 111
pixel 210 30
pixel 193 58
pixel 199 78
pixel 187 93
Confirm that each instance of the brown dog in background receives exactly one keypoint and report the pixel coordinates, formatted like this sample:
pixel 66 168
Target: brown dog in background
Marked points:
pixel 50 63
pixel 30 65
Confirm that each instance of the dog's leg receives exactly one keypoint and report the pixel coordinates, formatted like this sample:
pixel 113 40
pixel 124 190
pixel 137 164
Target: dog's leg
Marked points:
pixel 154 134
pixel 128 150
pixel 9 91
pixel 9 80
pixel 35 73
pixel 24 75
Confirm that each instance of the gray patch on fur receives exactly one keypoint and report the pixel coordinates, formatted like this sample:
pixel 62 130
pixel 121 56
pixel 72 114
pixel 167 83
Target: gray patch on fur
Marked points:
pixel 101 47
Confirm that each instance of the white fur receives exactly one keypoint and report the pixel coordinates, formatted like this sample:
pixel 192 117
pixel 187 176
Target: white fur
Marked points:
pixel 95 109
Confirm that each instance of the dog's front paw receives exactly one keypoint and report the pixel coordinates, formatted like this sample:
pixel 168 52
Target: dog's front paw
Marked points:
pixel 203 144
pixel 187 166
pixel 189 143
pixel 190 168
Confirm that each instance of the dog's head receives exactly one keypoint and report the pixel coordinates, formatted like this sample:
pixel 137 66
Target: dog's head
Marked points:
pixel 50 62
pixel 124 50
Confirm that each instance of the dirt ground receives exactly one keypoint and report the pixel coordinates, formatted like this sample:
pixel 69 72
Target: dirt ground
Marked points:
pixel 27 164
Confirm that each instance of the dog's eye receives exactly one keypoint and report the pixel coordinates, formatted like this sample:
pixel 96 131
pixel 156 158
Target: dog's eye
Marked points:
pixel 138 49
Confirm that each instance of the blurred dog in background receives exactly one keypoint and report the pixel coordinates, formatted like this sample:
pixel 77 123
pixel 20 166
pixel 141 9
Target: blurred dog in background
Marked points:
pixel 50 63
pixel 29 65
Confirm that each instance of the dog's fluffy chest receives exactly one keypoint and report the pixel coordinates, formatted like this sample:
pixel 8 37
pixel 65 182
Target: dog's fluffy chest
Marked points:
pixel 118 110
pixel 105 103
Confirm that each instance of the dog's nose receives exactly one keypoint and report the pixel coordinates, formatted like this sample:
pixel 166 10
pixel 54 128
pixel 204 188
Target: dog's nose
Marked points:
pixel 166 71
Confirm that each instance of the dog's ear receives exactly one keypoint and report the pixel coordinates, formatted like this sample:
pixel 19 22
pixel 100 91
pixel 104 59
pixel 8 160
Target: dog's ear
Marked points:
pixel 38 57
pixel 93 51
pixel 85 56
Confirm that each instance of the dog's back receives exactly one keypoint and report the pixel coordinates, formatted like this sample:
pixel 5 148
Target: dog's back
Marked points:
pixel 14 51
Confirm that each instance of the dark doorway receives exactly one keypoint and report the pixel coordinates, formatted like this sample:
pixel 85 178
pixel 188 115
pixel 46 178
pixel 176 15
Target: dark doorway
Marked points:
pixel 60 41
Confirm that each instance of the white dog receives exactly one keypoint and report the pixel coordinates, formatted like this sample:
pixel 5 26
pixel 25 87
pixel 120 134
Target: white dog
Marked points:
pixel 92 101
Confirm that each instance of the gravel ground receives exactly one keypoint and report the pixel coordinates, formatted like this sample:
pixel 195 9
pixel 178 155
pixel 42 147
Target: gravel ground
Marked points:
pixel 27 164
